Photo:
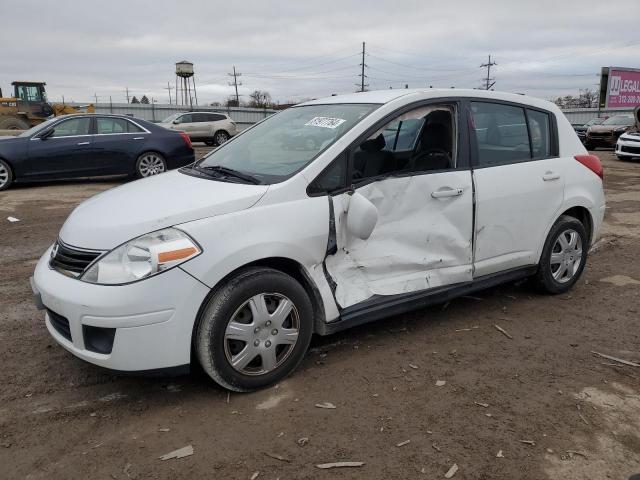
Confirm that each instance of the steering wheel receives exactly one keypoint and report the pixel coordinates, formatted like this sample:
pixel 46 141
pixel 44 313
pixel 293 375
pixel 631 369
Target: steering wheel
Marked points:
pixel 427 153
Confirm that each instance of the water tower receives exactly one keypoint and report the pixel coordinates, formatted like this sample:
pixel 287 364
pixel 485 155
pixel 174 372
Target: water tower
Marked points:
pixel 185 83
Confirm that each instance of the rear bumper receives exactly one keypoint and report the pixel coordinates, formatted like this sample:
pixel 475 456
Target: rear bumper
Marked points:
pixel 181 159
pixel 150 322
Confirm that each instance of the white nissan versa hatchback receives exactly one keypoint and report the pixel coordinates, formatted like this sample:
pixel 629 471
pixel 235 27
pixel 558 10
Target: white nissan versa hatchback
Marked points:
pixel 330 214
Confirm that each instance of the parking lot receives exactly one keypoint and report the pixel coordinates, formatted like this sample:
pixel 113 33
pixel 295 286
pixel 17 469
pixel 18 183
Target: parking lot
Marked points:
pixel 528 400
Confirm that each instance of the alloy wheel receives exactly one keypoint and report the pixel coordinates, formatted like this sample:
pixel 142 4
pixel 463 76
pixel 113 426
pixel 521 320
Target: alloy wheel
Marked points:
pixel 151 164
pixel 4 175
pixel 261 334
pixel 221 137
pixel 566 256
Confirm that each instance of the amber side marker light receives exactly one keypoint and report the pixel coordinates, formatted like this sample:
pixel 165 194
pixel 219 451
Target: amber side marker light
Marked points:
pixel 593 163
pixel 172 256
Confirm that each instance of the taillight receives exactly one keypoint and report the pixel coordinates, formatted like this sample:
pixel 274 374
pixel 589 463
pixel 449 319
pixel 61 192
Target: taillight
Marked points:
pixel 592 162
pixel 186 139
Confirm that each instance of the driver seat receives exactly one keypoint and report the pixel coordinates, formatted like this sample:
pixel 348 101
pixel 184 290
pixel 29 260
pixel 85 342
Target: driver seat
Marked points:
pixel 434 152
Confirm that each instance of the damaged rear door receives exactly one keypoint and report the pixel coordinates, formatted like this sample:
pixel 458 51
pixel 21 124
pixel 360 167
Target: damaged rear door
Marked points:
pixel 406 225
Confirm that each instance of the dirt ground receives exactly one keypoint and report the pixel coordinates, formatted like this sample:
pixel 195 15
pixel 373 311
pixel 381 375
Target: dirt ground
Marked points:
pixel 535 406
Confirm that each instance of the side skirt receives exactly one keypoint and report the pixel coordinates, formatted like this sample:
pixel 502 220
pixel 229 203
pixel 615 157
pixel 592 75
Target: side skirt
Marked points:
pixel 380 307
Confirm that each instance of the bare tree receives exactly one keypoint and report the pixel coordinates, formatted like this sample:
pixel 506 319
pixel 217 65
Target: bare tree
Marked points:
pixel 260 99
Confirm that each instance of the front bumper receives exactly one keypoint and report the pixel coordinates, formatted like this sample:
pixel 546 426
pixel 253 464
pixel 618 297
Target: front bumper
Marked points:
pixel 152 319
pixel 601 141
pixel 628 148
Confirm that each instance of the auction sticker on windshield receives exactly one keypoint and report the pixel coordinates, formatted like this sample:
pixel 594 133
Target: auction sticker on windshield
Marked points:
pixel 325 122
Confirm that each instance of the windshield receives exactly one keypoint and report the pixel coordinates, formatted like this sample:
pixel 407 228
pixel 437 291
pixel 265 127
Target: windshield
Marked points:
pixel 38 128
pixel 284 143
pixel 171 118
pixel 619 120
pixel 594 121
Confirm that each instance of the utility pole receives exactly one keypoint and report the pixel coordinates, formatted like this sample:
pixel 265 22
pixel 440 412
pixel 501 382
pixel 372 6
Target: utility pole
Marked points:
pixel 96 97
pixel 489 82
pixel 235 83
pixel 127 92
pixel 362 76
pixel 169 88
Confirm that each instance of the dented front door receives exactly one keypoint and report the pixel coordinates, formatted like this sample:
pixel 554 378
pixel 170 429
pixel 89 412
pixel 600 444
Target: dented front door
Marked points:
pixel 422 238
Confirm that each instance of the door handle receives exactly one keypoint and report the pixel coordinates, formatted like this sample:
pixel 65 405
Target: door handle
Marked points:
pixel 548 176
pixel 83 143
pixel 138 138
pixel 447 192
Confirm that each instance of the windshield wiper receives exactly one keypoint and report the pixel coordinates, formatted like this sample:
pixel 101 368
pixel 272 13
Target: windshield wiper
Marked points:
pixel 230 172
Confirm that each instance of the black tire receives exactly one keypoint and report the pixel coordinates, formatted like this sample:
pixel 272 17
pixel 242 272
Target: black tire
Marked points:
pixel 150 164
pixel 544 278
pixel 220 137
pixel 13 123
pixel 624 158
pixel 211 345
pixel 6 175
pixel 589 146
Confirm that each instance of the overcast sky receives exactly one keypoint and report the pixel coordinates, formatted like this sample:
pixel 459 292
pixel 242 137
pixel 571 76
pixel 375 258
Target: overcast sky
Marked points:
pixel 302 49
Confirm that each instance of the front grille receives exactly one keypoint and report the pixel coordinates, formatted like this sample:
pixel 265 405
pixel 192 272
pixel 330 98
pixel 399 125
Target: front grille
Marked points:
pixel 71 261
pixel 600 134
pixel 634 150
pixel 60 324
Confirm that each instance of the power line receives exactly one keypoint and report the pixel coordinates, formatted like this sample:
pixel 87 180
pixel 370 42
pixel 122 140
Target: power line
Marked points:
pixel 235 83
pixel 489 82
pixel 363 66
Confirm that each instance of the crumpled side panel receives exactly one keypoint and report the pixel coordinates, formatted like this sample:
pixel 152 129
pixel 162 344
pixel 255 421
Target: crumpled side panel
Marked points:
pixel 418 243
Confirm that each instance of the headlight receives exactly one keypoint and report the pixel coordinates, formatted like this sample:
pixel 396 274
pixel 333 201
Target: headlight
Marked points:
pixel 143 257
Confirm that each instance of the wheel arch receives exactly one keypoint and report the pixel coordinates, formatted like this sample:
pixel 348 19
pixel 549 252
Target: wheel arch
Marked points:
pixel 582 214
pixel 288 266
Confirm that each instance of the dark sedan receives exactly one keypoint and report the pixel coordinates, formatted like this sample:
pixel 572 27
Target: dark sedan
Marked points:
pixel 581 129
pixel 91 145
pixel 607 133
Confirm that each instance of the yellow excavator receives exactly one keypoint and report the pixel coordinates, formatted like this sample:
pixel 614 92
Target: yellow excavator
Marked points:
pixel 29 107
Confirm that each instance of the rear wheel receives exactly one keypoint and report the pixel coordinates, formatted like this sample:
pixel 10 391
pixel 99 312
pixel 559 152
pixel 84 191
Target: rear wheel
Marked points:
pixel 563 257
pixel 149 164
pixel 220 137
pixel 254 330
pixel 6 175
pixel 13 123
pixel 589 146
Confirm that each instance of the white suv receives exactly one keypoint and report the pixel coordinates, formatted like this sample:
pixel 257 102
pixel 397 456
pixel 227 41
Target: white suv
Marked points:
pixel 327 215
pixel 213 128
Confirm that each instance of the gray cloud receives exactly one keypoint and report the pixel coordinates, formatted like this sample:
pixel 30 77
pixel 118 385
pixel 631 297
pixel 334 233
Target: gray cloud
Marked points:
pixel 299 49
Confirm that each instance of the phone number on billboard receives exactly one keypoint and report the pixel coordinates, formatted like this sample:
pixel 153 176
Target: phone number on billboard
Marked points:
pixel 628 99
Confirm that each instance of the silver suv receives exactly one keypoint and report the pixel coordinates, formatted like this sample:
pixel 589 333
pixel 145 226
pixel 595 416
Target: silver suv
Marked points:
pixel 210 127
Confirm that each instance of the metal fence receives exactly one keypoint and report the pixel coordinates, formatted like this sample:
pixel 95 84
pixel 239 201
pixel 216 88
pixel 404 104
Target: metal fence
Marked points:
pixel 583 115
pixel 244 117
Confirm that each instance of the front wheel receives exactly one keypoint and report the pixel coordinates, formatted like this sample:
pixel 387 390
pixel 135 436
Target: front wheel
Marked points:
pixel 254 330
pixel 6 175
pixel 624 158
pixel 149 164
pixel 563 257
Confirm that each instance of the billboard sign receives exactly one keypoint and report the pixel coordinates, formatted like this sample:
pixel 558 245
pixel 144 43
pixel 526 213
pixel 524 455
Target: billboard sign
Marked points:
pixel 622 87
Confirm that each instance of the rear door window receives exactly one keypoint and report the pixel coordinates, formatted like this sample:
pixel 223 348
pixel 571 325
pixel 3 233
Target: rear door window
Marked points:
pixel 501 133
pixel 110 126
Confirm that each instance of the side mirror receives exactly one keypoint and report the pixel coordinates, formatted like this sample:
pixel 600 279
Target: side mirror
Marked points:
pixel 46 134
pixel 362 216
pixel 176 122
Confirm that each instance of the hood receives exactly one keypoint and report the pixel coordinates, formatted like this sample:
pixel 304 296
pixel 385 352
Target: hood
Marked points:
pixel 123 213
pixel 603 128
